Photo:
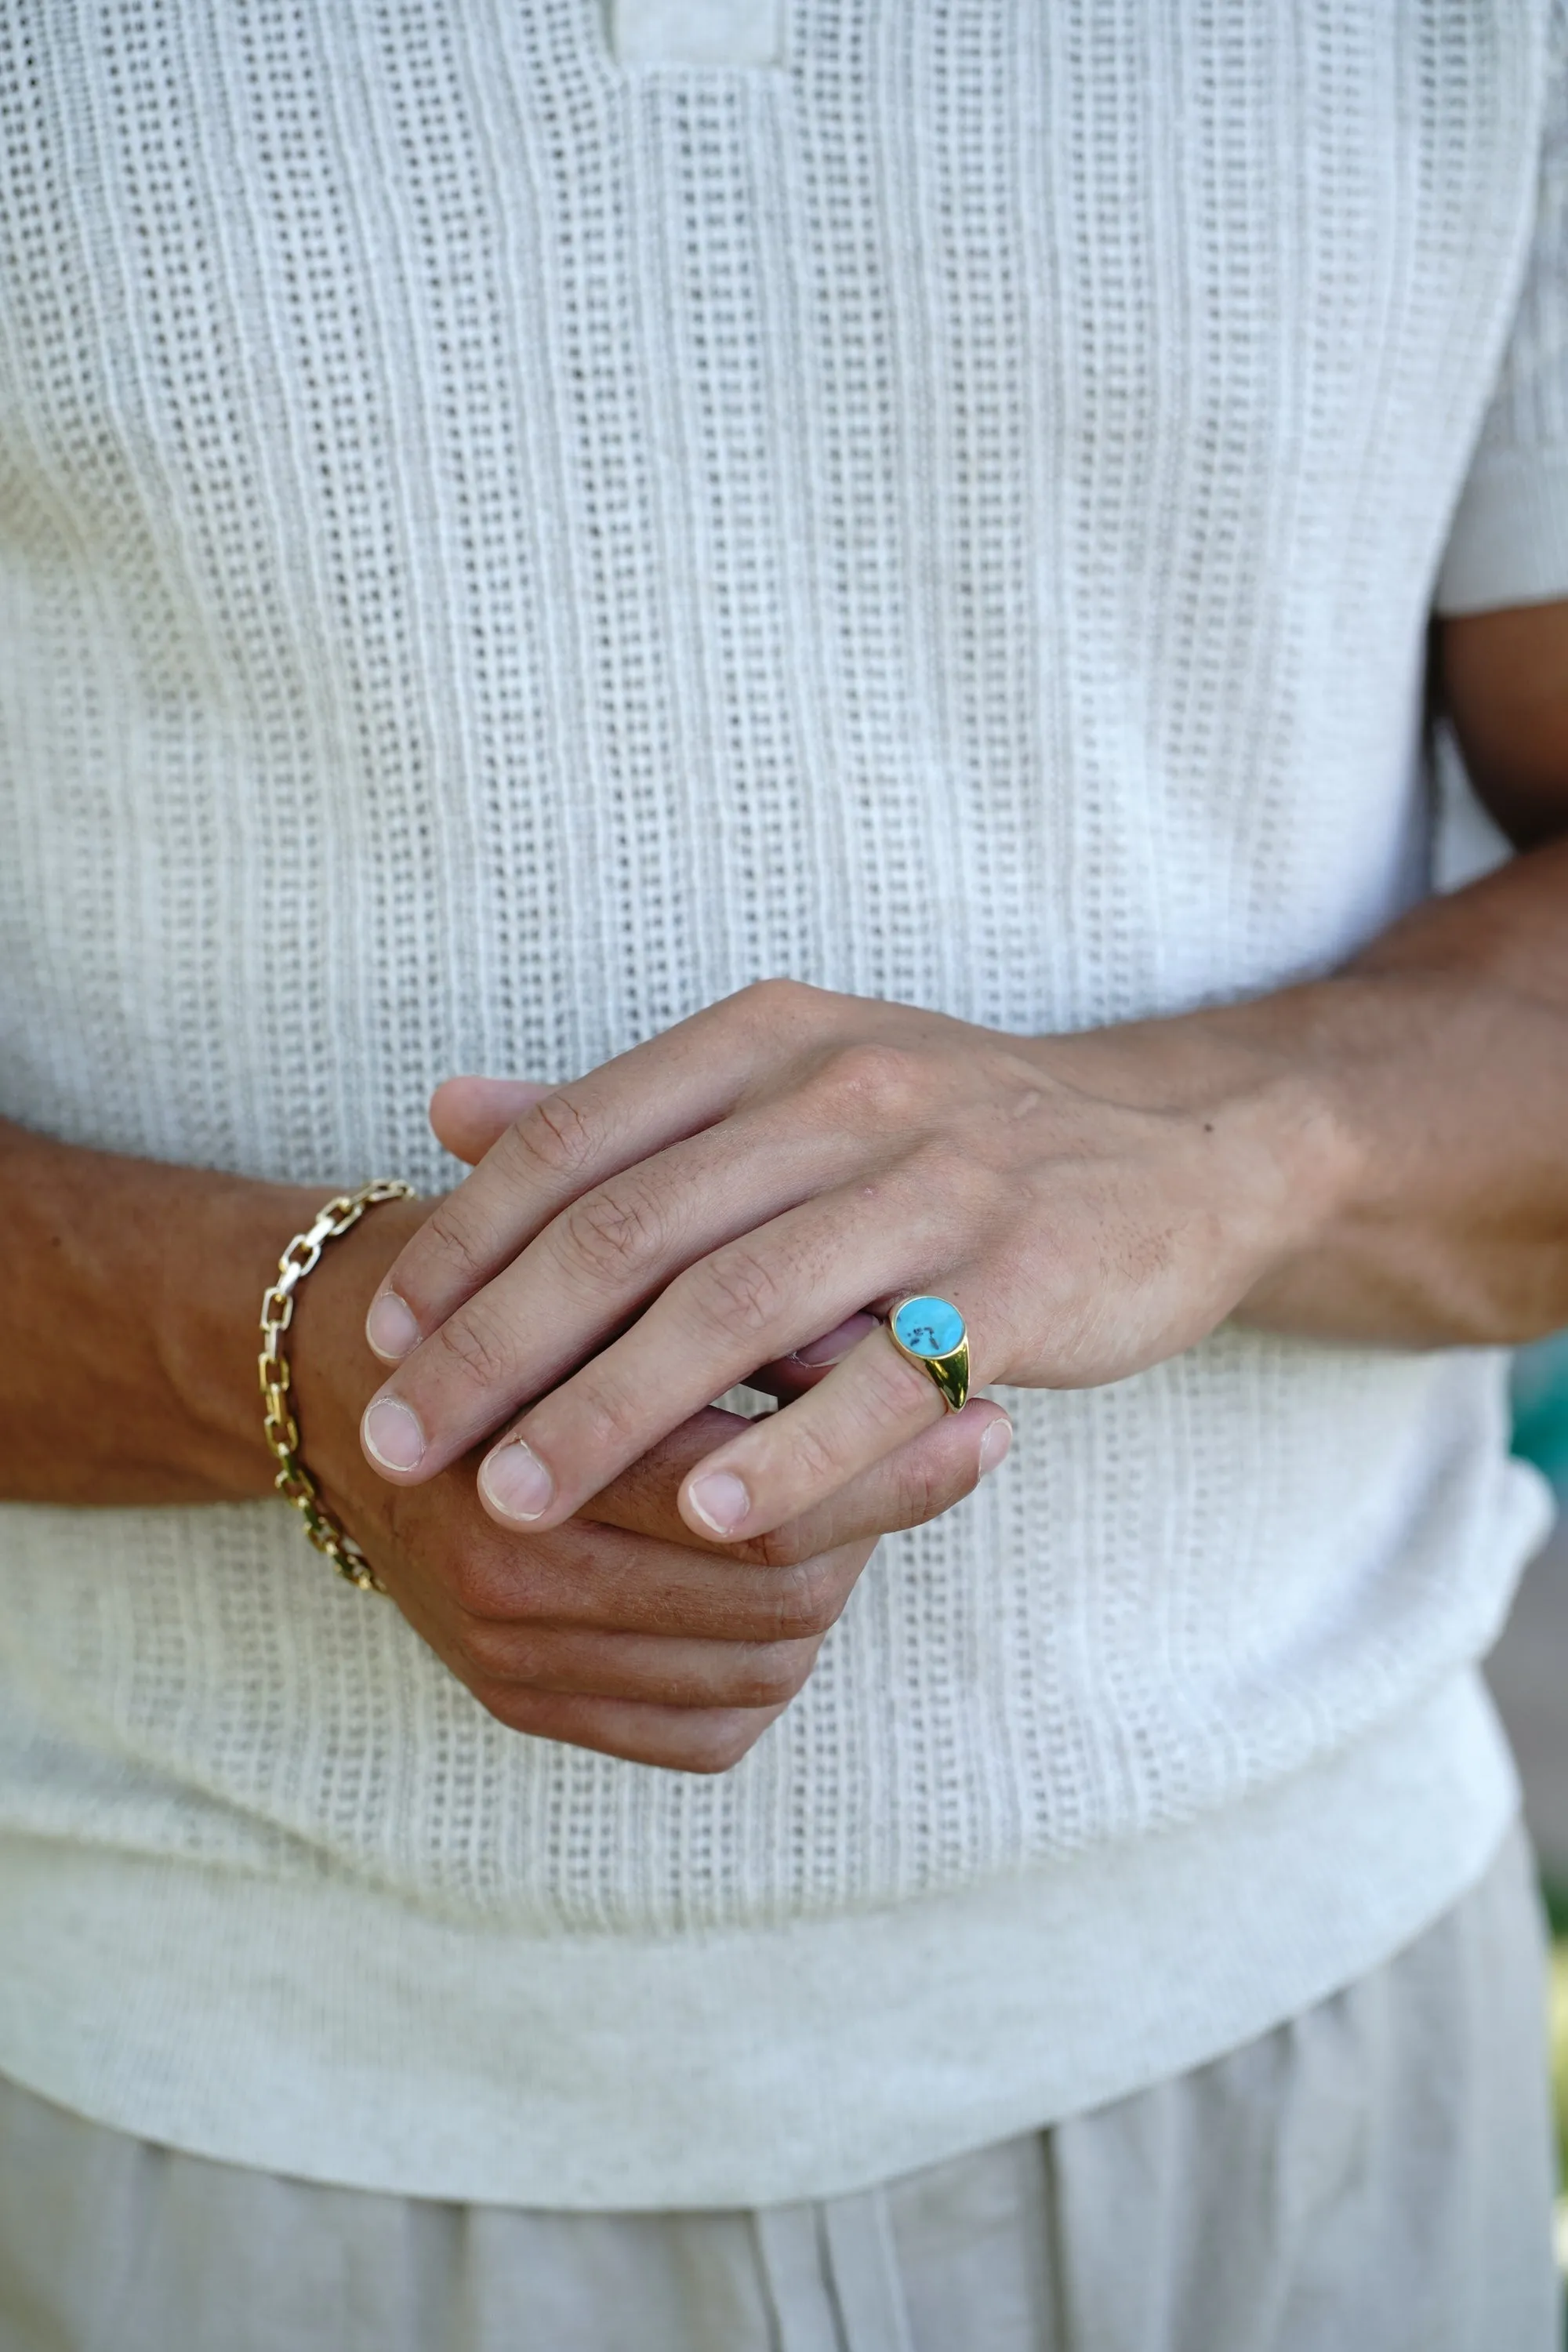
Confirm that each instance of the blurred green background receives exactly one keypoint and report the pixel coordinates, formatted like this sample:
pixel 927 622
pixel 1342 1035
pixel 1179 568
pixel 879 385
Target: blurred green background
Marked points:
pixel 1541 1407
pixel 1529 1673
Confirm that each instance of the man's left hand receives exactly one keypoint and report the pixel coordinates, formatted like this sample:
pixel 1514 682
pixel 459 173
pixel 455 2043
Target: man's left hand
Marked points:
pixel 777 1171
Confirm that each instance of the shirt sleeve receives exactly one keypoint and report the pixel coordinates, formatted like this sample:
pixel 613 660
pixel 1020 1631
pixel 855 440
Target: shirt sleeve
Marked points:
pixel 1510 539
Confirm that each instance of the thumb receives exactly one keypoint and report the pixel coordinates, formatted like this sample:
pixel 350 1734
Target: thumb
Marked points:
pixel 468 1114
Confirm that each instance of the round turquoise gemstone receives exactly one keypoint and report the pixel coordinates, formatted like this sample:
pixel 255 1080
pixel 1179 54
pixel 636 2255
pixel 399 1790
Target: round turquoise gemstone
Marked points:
pixel 928 1327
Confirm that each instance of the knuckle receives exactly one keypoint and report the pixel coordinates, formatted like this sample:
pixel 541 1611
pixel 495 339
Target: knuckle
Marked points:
pixel 808 1600
pixel 480 1343
pixel 816 1454
pixel 771 1674
pixel 556 1136
pixel 451 1229
pixel 736 1289
pixel 613 1231
pixel 495 1651
pixel 715 1741
pixel 871 1078
pixel 925 1492
pixel 787 1546
pixel 508 1704
pixel 612 1420
pixel 774 999
pixel 482 1583
pixel 894 1392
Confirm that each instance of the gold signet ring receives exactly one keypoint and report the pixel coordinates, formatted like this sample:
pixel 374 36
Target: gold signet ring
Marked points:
pixel 930 1333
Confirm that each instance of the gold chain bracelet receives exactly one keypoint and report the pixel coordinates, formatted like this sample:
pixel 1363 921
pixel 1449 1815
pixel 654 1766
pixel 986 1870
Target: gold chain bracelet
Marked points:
pixel 302 1257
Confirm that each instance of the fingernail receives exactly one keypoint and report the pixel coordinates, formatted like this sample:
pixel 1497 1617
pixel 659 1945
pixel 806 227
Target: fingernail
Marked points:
pixel 834 1346
pixel 390 1328
pixel 996 1445
pixel 392 1435
pixel 721 1501
pixel 515 1481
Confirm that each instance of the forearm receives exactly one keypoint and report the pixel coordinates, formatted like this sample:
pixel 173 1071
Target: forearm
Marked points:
pixel 1420 1096
pixel 133 1292
pixel 1432 1071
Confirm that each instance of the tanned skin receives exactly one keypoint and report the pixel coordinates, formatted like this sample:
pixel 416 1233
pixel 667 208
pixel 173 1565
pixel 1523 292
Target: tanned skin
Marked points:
pixel 1380 1157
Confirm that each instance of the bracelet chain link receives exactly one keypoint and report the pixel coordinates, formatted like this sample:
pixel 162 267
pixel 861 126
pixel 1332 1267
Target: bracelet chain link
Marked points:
pixel 293 1480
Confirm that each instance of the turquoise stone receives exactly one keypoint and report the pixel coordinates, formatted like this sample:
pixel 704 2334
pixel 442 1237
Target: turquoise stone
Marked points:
pixel 928 1327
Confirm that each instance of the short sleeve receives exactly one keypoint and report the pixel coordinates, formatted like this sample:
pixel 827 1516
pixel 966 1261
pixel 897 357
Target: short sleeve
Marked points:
pixel 1509 544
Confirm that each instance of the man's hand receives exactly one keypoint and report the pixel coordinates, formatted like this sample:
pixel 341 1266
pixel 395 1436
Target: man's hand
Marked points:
pixel 634 1242
pixel 134 1381
pixel 1381 1155
pixel 602 1635
pixel 621 1632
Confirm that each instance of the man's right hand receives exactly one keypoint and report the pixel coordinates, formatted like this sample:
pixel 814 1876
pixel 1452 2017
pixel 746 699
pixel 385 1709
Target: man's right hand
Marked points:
pixel 622 1631
pixel 133 1289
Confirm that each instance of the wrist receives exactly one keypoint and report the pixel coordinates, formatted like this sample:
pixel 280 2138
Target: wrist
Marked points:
pixel 1254 1092
pixel 333 1370
pixel 234 1233
pixel 209 1332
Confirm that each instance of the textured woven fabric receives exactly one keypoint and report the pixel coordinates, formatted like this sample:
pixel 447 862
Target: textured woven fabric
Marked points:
pixel 1375 2174
pixel 503 542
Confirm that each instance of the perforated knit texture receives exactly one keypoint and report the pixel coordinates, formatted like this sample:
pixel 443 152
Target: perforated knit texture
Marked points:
pixel 501 545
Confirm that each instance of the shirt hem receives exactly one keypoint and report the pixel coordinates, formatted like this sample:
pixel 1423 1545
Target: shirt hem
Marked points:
pixel 333 2034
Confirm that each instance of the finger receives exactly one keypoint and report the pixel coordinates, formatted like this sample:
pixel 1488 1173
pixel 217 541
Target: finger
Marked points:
pixel 916 1483
pixel 469 1115
pixel 813 1360
pixel 673 1085
pixel 665 1670
pixel 678 1739
pixel 761 1294
pixel 642 1498
pixel 780 1468
pixel 603 1578
pixel 605 1256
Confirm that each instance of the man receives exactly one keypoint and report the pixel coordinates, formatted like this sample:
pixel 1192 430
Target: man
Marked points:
pixel 841 596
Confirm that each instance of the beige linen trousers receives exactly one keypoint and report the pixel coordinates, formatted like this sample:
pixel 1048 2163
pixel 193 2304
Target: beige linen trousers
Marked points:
pixel 1374 2176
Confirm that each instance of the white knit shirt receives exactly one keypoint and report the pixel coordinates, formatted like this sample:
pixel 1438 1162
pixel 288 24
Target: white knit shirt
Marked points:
pixel 515 520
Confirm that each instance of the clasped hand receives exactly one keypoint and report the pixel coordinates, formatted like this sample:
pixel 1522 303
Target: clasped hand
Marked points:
pixel 755 1186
